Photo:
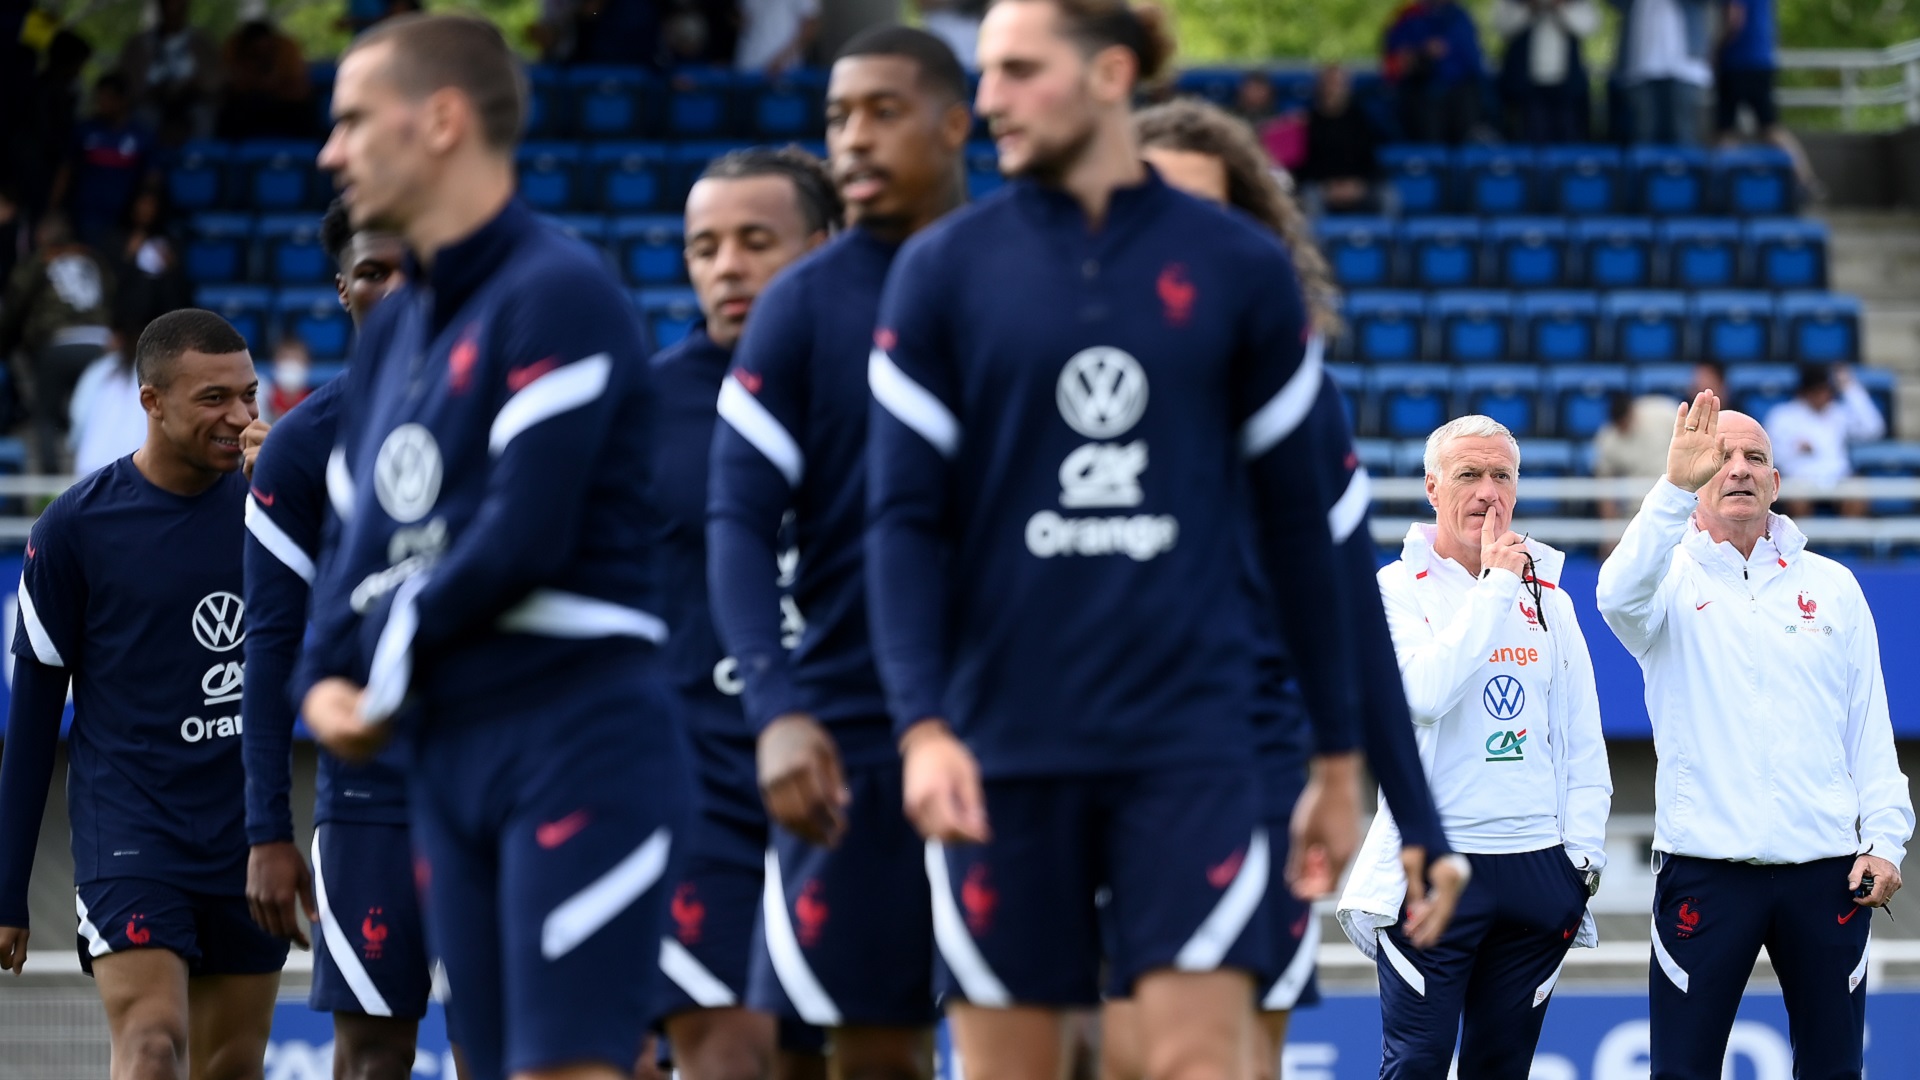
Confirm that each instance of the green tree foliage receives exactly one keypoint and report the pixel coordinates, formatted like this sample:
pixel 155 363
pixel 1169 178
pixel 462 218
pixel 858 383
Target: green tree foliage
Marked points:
pixel 314 23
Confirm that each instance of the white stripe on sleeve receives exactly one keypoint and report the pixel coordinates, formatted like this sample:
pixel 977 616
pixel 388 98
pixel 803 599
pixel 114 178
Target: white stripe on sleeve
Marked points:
pixel 1351 508
pixel 1286 409
pixel 275 539
pixel 763 431
pixel 912 404
pixel 558 391
pixel 37 635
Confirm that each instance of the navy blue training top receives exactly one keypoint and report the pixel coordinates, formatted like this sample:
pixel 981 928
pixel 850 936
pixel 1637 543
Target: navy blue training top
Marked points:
pixel 491 474
pixel 287 514
pixel 1070 429
pixel 134 593
pixel 686 381
pixel 793 437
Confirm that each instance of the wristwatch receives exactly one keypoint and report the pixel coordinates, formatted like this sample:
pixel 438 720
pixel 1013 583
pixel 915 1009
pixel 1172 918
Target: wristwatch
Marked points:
pixel 1592 878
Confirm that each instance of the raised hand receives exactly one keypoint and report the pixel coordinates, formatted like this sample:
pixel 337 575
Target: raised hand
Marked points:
pixel 1499 545
pixel 1696 452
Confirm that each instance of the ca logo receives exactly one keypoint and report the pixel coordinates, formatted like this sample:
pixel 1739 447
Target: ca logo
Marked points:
pixel 216 621
pixel 406 473
pixel 1102 392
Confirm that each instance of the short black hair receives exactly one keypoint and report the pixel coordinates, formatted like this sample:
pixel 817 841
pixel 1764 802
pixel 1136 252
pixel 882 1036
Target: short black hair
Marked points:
pixel 940 69
pixel 336 231
pixel 177 332
pixel 1815 377
pixel 813 186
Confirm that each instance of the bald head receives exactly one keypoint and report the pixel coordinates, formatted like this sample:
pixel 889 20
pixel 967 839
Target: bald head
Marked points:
pixel 1740 495
pixel 1739 424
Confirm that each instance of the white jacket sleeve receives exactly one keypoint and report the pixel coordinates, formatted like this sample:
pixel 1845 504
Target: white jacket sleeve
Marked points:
pixel 1589 779
pixel 1632 592
pixel 1864 422
pixel 1886 807
pixel 1439 663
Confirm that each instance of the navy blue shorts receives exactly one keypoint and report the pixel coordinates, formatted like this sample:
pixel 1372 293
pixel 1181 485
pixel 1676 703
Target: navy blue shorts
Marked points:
pixel 545 848
pixel 370 945
pixel 707 950
pixel 215 935
pixel 846 935
pixel 1293 933
pixel 1179 856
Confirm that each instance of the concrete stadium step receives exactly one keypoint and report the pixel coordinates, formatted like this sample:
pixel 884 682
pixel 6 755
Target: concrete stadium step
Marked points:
pixel 1875 255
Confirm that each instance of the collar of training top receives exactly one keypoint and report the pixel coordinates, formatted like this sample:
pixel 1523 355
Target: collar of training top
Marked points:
pixel 1058 208
pixel 462 267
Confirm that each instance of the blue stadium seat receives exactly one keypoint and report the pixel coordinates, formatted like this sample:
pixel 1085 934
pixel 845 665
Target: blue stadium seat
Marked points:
pixel 547 109
pixel 1529 253
pixel 1410 454
pixel 1218 85
pixel 1351 379
pixel 1673 380
pixel 1495 179
pixel 612 102
pixel 1360 250
pixel 1614 253
pixel 1820 328
pixel 1900 459
pixel 1735 327
pixel 245 306
pixel 217 247
pixel 650 250
pixel 196 180
pixel 291 243
pixel 1581 396
pixel 1387 327
pixel 1510 393
pixel 628 177
pixel 668 314
pixel 1543 458
pixel 686 161
pixel 1751 180
pixel 793 106
pixel 279 174
pixel 1668 180
pixel 700 104
pixel 1472 327
pixel 1411 399
pixel 314 315
pixel 1442 253
pixel 1646 327
pixel 1881 385
pixel 1701 253
pixel 1560 327
pixel 1757 388
pixel 1376 456
pixel 1580 179
pixel 1787 253
pixel 550 175
pixel 1420 174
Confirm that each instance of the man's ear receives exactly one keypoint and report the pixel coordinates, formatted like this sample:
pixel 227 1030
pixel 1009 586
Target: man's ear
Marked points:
pixel 956 125
pixel 150 401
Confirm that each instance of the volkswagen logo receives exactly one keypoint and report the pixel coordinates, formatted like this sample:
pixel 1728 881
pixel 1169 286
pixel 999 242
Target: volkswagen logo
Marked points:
pixel 1102 392
pixel 216 621
pixel 1504 697
pixel 406 473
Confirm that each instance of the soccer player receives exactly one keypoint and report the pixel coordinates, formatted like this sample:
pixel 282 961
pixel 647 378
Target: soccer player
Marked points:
pixel 1083 624
pixel 371 972
pixel 131 594
pixel 847 916
pixel 1502 693
pixel 751 213
pixel 489 591
pixel 1780 810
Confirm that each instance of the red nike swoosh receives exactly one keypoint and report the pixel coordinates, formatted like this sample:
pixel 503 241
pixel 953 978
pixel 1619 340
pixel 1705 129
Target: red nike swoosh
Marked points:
pixel 519 378
pixel 1843 918
pixel 29 551
pixel 265 500
pixel 1697 607
pixel 554 833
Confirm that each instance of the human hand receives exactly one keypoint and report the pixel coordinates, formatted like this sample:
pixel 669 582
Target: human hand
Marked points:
pixel 252 438
pixel 1325 826
pixel 1500 546
pixel 1429 910
pixel 800 779
pixel 1886 880
pixel 277 880
pixel 13 948
pixel 332 713
pixel 1696 453
pixel 941 786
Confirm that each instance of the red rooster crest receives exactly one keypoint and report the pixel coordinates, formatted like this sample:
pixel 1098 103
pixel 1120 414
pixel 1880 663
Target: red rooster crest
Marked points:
pixel 979 898
pixel 688 914
pixel 1176 293
pixel 1689 916
pixel 811 912
pixel 136 933
pixel 1807 607
pixel 1532 615
pixel 374 933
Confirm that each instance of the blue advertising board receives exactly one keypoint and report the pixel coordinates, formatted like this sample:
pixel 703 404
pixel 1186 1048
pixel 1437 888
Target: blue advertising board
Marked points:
pixel 1892 588
pixel 1588 1036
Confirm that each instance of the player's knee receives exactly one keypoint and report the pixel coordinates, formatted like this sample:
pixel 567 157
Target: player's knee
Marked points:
pixel 152 1051
pixel 872 1055
pixel 1192 1057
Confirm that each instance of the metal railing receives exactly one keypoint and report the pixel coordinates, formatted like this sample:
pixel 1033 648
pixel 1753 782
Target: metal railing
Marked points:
pixel 1855 68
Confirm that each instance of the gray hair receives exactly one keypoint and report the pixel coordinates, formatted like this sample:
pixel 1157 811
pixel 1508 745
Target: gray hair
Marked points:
pixel 1473 426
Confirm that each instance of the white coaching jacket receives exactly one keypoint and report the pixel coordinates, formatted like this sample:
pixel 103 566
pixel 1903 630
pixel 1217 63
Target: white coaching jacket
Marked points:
pixel 1763 682
pixel 1506 717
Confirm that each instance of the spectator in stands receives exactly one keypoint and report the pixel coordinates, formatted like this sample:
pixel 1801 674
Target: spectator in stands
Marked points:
pixel 1632 443
pixel 1811 431
pixel 49 117
pixel 956 22
pixel 58 309
pixel 776 34
pixel 108 420
pixel 1341 171
pixel 1282 134
pixel 1743 79
pixel 151 279
pixel 1543 77
pixel 1432 57
pixel 603 32
pixel 1711 376
pixel 291 378
pixel 112 157
pixel 173 71
pixel 267 93
pixel 1662 60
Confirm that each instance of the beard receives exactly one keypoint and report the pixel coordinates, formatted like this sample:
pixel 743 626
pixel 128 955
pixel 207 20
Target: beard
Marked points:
pixel 1051 162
